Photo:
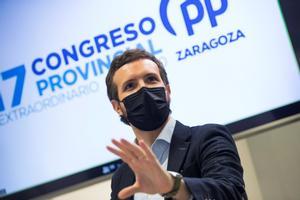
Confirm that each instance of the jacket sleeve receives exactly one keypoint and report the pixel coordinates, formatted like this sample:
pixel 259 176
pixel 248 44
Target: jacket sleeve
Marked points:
pixel 113 194
pixel 219 166
pixel 122 178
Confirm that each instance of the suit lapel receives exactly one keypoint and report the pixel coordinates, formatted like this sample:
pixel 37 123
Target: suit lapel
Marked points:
pixel 180 143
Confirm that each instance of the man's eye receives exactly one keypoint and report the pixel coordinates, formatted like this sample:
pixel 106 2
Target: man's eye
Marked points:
pixel 128 86
pixel 152 79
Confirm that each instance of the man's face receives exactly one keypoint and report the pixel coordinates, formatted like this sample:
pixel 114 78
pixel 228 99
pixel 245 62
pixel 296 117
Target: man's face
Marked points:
pixel 133 76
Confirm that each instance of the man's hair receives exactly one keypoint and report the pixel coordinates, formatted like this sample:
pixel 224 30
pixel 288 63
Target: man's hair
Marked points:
pixel 127 57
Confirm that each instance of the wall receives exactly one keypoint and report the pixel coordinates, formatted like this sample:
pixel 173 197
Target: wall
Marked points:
pixel 276 157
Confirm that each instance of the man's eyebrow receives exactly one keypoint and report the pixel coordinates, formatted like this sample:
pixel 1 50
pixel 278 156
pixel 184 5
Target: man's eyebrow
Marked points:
pixel 151 74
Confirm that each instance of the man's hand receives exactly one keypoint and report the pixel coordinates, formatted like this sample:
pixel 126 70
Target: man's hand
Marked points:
pixel 150 177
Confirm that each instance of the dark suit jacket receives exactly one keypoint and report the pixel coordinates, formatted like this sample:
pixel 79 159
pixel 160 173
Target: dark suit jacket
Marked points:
pixel 207 158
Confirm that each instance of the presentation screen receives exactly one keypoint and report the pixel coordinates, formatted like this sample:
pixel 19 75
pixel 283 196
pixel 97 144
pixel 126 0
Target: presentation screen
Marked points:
pixel 227 61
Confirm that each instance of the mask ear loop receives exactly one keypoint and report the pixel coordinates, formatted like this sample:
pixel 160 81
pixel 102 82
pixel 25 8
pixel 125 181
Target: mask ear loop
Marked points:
pixel 124 120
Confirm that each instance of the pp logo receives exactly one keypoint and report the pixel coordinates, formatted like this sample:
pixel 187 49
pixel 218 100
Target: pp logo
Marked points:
pixel 190 21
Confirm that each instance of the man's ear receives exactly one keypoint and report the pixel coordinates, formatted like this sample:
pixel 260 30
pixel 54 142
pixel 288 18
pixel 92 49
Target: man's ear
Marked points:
pixel 168 89
pixel 168 93
pixel 117 107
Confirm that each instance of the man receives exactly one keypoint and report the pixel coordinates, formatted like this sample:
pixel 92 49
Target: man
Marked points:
pixel 167 159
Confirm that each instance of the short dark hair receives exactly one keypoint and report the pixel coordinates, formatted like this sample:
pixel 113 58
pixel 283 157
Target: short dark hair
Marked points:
pixel 127 57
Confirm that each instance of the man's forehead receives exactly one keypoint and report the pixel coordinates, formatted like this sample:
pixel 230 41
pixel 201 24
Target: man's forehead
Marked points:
pixel 135 69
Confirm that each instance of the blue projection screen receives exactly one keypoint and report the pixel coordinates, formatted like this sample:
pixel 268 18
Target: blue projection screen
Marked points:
pixel 227 60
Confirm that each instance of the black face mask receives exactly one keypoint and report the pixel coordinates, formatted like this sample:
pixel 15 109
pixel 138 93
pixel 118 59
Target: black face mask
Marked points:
pixel 147 109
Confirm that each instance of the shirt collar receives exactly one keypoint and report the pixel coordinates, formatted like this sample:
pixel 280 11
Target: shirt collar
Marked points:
pixel 167 131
